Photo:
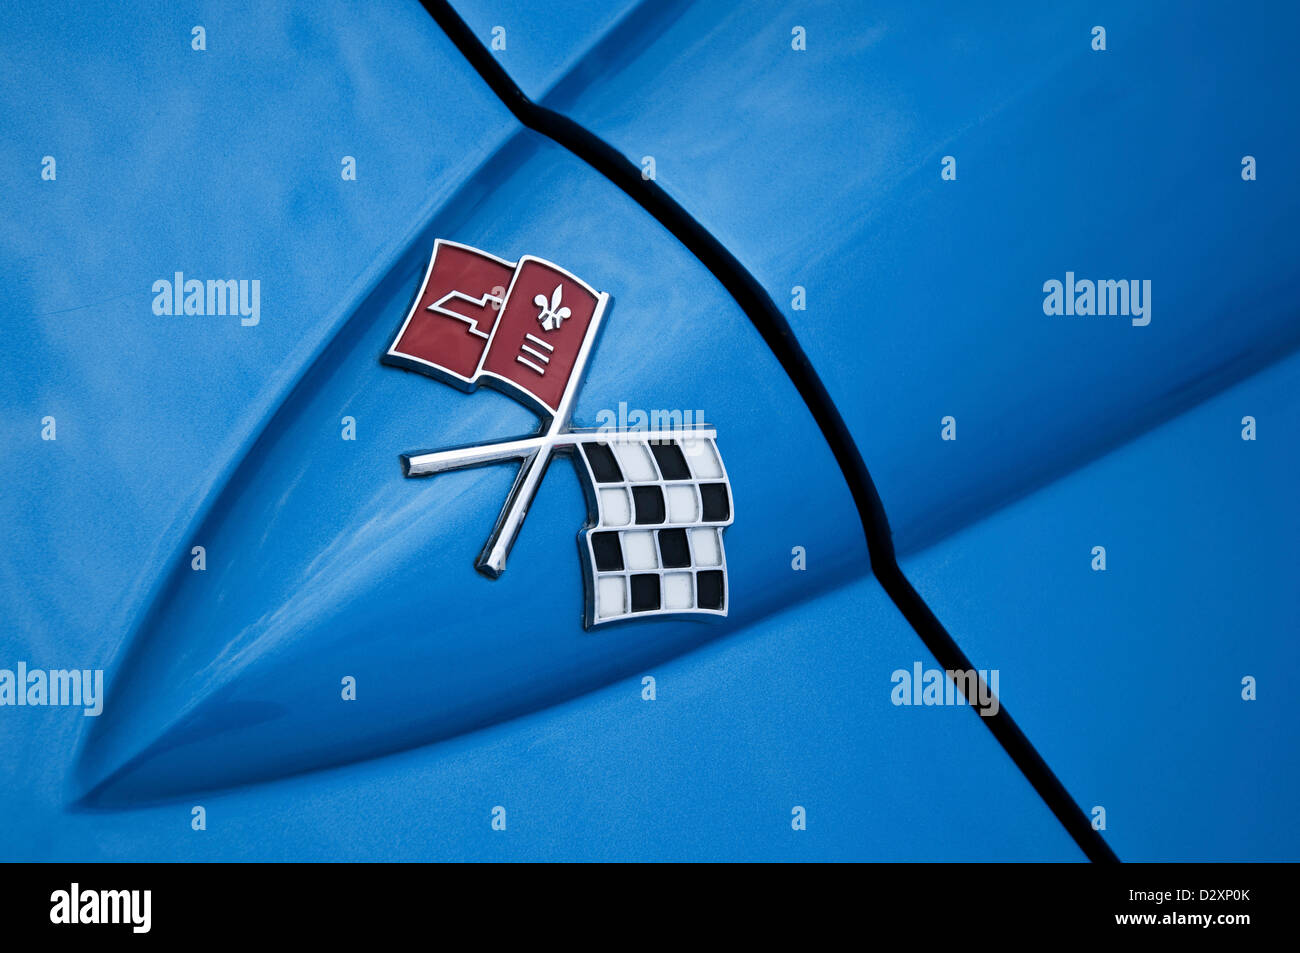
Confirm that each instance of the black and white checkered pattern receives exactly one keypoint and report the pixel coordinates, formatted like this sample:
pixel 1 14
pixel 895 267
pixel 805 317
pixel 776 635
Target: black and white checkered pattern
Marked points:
pixel 657 511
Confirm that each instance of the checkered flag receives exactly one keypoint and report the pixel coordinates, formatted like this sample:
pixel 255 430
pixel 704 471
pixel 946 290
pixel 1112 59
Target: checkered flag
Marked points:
pixel 657 509
pixel 658 500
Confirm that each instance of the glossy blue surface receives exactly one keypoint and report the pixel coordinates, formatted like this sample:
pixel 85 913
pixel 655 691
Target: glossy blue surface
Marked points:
pixel 322 561
pixel 821 169
pixel 548 45
pixel 1130 680
pixel 787 713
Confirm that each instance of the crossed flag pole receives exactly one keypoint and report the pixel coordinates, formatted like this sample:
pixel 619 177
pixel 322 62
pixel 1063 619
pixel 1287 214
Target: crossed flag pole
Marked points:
pixel 534 452
pixel 528 328
pixel 535 455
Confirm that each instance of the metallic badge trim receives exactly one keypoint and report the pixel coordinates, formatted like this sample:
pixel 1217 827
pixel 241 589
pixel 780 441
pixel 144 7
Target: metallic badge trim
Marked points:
pixel 650 589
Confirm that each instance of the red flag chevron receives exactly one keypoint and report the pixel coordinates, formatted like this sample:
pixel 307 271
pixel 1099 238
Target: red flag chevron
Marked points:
pixel 517 326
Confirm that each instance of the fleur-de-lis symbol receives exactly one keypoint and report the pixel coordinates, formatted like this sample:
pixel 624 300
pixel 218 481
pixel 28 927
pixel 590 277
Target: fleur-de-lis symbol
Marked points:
pixel 552 314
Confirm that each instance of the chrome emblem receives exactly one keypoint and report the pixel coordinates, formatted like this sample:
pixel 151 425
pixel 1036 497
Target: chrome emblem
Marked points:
pixel 657 500
pixel 552 314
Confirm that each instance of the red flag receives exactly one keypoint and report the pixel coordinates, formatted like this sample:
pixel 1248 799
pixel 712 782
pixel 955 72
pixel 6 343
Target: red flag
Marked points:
pixel 543 325
pixel 520 327
pixel 447 331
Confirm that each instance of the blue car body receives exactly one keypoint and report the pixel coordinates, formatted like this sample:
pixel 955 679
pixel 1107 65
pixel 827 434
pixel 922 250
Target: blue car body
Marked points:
pixel 777 733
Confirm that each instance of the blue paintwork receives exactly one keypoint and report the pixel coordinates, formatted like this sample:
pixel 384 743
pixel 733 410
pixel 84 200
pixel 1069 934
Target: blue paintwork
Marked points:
pixel 822 169
pixel 556 44
pixel 323 561
pixel 1130 680
pixel 787 713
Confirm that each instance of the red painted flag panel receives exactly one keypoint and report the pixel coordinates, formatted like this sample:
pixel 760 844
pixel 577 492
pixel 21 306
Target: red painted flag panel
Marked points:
pixel 449 326
pixel 544 323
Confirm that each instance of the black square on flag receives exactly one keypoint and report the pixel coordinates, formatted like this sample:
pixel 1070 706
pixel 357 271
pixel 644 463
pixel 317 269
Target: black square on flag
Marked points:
pixel 608 551
pixel 645 592
pixel 671 462
pixel 674 549
pixel 649 504
pixel 717 508
pixel 709 587
pixel 603 465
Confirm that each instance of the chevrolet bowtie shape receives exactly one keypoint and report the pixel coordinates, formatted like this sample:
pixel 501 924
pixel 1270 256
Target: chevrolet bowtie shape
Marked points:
pixel 657 500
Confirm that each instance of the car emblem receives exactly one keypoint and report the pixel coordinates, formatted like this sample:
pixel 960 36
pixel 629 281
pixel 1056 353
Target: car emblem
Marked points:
pixel 657 500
